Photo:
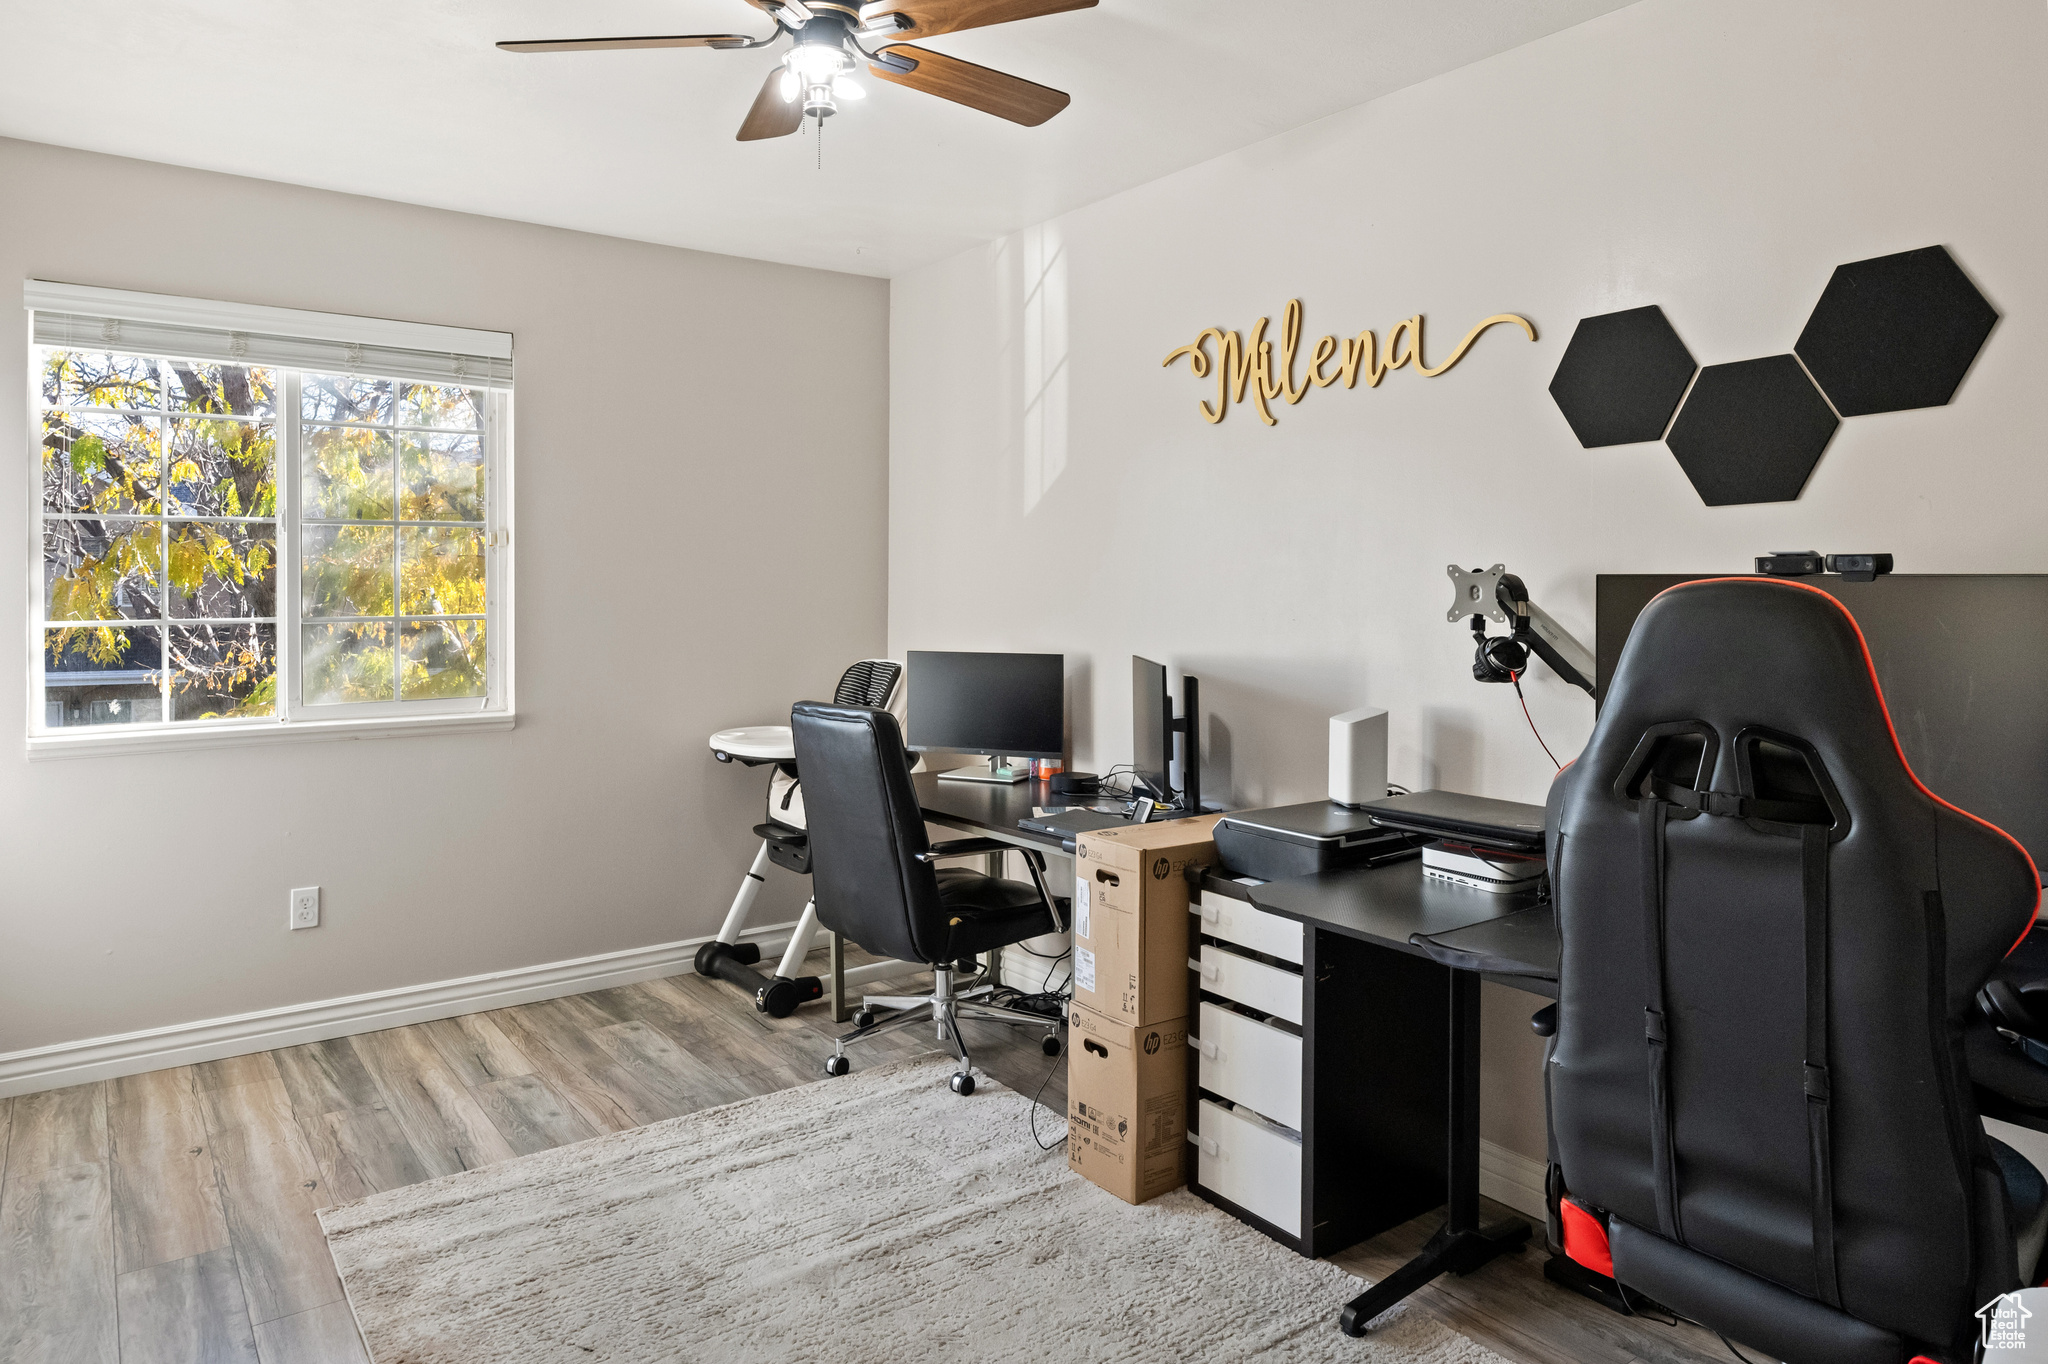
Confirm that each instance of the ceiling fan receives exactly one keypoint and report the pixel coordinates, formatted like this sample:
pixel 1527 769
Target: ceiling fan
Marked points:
pixel 817 71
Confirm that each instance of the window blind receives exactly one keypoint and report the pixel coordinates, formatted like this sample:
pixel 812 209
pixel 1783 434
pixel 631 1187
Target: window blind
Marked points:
pixel 82 317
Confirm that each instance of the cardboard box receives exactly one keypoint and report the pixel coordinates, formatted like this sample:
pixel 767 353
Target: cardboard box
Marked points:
pixel 1127 1120
pixel 1130 916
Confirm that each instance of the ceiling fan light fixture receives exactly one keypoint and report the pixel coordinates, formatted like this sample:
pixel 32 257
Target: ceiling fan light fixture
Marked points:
pixel 816 63
pixel 789 86
pixel 846 87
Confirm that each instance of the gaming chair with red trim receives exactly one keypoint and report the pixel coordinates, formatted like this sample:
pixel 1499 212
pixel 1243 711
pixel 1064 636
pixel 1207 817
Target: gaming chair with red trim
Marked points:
pixel 1772 936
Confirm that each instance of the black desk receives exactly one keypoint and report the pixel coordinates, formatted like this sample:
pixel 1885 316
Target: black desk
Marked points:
pixel 1396 907
pixel 987 809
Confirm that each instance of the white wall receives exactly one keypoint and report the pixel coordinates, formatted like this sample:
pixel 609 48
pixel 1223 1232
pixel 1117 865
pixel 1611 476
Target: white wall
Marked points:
pixel 700 543
pixel 1717 157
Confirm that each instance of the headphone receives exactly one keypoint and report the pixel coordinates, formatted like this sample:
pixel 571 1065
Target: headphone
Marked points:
pixel 1498 658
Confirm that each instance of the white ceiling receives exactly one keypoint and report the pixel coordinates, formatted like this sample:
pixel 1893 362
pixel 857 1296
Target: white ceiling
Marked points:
pixel 408 100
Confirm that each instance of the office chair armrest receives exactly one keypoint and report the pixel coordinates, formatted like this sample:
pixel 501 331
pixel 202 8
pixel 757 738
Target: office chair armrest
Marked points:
pixel 968 847
pixel 1033 859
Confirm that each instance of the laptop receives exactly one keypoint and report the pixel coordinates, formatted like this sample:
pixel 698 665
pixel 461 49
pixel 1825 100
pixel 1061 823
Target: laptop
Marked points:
pixel 1071 823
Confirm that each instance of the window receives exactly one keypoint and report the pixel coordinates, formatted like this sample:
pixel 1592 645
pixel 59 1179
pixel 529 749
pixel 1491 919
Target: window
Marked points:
pixel 236 546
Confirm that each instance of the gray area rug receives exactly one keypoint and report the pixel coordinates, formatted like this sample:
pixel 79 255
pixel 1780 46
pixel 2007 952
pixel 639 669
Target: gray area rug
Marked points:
pixel 876 1217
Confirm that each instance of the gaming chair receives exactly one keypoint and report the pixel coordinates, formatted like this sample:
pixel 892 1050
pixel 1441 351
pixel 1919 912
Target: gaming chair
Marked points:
pixel 1762 1115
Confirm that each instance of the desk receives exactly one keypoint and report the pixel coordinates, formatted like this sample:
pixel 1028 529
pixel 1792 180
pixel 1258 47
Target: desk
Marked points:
pixel 987 810
pixel 1391 907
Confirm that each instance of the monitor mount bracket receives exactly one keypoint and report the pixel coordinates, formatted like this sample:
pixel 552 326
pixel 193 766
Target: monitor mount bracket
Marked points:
pixel 1498 595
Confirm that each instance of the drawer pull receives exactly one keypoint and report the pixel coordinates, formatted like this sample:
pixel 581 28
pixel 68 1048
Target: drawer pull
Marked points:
pixel 1208 1049
pixel 1210 971
pixel 1207 1144
pixel 1209 916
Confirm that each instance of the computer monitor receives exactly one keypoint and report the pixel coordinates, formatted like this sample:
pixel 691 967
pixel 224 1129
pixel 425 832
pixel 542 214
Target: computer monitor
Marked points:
pixel 1152 729
pixel 1013 705
pixel 1963 660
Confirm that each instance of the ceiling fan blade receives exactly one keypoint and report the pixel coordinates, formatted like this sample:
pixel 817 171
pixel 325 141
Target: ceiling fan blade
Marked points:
pixel 930 17
pixel 611 44
pixel 977 87
pixel 772 115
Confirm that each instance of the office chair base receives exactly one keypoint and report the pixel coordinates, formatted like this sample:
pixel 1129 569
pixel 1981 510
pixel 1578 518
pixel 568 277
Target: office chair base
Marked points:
pixel 1448 1252
pixel 943 1009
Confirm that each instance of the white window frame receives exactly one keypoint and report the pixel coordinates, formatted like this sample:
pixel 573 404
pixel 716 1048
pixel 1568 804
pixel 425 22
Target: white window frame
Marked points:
pixel 293 720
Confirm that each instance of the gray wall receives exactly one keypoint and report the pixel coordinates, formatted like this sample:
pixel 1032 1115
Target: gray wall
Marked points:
pixel 670 487
pixel 1717 157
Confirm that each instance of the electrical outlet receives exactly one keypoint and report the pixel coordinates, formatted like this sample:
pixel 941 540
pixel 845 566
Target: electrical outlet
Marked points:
pixel 306 907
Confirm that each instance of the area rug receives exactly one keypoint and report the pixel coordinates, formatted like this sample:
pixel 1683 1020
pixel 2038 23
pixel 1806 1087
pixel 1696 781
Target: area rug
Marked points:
pixel 876 1217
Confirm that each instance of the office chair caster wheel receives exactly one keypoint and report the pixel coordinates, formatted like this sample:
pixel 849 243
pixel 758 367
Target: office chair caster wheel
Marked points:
pixel 963 1084
pixel 837 1065
pixel 863 1018
pixel 1051 1045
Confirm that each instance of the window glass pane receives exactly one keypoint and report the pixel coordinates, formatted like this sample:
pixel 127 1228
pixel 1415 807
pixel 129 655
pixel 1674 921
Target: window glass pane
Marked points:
pixel 348 474
pixel 441 477
pixel 442 658
pixel 344 663
pixel 223 672
pixel 222 568
pixel 223 468
pixel 100 462
pixel 345 398
pixel 101 675
pixel 454 409
pixel 441 571
pixel 87 379
pixel 346 571
pixel 235 390
pixel 102 570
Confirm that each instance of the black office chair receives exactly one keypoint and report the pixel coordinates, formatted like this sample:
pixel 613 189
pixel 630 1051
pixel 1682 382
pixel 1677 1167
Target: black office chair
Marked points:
pixel 875 881
pixel 1773 934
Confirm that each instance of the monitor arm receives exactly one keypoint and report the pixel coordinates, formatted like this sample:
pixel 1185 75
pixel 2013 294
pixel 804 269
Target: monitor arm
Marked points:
pixel 1498 595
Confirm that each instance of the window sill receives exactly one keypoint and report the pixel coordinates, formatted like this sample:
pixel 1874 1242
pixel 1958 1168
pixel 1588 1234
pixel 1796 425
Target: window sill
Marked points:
pixel 106 741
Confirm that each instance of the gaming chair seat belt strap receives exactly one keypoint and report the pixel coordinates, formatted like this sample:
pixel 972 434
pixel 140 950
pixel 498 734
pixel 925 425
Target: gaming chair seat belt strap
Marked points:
pixel 1813 870
pixel 1728 805
pixel 1813 873
pixel 1654 814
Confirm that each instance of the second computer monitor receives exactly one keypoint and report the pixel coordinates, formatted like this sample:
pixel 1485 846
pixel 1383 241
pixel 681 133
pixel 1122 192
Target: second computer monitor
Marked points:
pixel 1008 704
pixel 1151 726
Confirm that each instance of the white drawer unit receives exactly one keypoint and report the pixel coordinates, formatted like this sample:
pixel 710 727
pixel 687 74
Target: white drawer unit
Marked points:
pixel 1265 988
pixel 1248 926
pixel 1253 1165
pixel 1249 1062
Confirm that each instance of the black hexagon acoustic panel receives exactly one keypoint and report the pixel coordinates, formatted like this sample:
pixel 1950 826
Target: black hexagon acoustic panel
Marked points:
pixel 1751 431
pixel 1895 332
pixel 1889 333
pixel 1621 377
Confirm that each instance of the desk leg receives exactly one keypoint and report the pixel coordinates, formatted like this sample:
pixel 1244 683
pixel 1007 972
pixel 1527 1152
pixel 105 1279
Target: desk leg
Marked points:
pixel 1461 1245
pixel 840 1013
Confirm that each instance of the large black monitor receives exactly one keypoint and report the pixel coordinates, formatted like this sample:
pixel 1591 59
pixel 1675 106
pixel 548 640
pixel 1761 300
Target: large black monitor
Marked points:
pixel 1152 729
pixel 1014 705
pixel 1963 659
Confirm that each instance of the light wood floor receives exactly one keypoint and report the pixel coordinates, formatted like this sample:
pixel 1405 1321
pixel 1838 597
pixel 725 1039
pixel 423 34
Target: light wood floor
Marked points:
pixel 170 1216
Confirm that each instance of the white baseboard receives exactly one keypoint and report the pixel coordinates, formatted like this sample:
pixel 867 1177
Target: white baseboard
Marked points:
pixel 211 1039
pixel 1512 1178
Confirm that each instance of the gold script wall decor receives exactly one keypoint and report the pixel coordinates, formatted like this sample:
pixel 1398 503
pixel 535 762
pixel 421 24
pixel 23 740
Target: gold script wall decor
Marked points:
pixel 1240 364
